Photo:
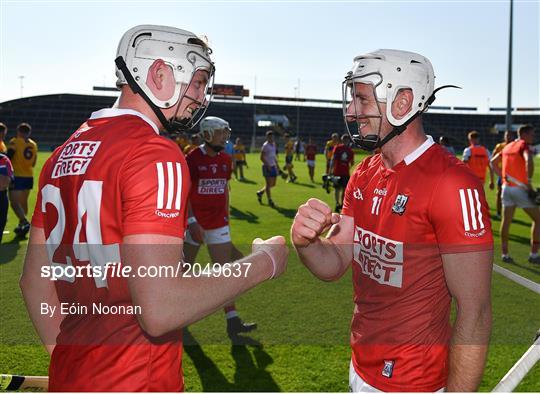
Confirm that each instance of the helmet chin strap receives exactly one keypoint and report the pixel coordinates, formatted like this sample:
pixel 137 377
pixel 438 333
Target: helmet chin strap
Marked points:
pixel 172 126
pixel 373 141
pixel 215 148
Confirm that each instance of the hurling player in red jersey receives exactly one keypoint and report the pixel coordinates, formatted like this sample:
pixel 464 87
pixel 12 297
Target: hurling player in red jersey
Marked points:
pixel 341 163
pixel 208 222
pixel 310 153
pixel 415 228
pixel 116 194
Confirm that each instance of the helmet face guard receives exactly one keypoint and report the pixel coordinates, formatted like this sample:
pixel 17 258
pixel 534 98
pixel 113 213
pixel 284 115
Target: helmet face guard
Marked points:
pixel 179 122
pixel 360 107
pixel 209 126
pixel 388 71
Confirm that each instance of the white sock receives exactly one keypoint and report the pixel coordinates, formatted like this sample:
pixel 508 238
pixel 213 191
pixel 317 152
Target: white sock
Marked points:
pixel 533 255
pixel 231 314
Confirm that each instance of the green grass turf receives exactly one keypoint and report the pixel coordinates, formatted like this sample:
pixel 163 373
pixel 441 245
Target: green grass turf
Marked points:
pixel 303 322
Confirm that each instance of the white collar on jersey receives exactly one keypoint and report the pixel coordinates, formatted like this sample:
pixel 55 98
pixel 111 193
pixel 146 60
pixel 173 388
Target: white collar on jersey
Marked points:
pixel 419 151
pixel 111 112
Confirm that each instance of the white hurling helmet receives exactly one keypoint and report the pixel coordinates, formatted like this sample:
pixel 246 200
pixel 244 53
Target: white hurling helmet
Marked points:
pixel 389 71
pixel 181 50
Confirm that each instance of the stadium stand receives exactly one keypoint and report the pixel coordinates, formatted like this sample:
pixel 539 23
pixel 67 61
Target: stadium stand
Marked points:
pixel 54 117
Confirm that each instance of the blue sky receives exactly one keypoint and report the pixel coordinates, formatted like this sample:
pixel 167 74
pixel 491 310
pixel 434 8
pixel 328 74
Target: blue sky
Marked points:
pixel 69 46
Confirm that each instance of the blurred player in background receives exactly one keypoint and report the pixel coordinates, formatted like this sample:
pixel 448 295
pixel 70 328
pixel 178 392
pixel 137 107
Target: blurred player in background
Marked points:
pixel 239 157
pixel 22 152
pixel 508 137
pixel 310 153
pixel 6 177
pixel 299 149
pixel 477 158
pixel 182 140
pixel 515 165
pixel 329 150
pixel 270 167
pixel 415 227
pixel 210 169
pixel 445 142
pixel 289 155
pixel 193 144
pixel 118 188
pixel 341 164
pixel 3 132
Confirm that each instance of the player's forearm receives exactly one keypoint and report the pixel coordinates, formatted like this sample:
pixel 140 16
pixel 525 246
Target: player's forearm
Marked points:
pixel 35 295
pixel 326 260
pixel 468 350
pixel 38 291
pixel 171 303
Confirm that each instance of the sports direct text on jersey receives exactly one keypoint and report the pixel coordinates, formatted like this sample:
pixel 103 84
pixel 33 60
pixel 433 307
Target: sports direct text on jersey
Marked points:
pixel 75 158
pixel 380 258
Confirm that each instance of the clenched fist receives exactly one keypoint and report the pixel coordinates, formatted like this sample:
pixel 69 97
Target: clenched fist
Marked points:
pixel 278 251
pixel 312 219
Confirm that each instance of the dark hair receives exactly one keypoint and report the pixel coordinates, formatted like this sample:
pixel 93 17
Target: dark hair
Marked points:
pixel 525 129
pixel 269 132
pixel 24 128
pixel 444 140
pixel 473 135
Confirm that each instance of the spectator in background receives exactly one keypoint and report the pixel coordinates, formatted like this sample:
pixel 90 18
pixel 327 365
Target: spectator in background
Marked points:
pixel 517 163
pixel 269 167
pixel 477 158
pixel 445 142
pixel 341 163
pixel 239 159
pixel 311 151
pixel 194 142
pixel 6 177
pixel 508 137
pixel 3 132
pixel 22 152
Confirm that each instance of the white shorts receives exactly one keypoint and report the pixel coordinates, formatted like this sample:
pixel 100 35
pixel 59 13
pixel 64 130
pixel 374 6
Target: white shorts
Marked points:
pixel 311 163
pixel 220 235
pixel 358 385
pixel 513 196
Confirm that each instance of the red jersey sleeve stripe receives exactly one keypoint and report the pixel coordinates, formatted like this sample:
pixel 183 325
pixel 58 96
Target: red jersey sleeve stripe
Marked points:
pixel 170 186
pixel 478 208
pixel 178 186
pixel 161 185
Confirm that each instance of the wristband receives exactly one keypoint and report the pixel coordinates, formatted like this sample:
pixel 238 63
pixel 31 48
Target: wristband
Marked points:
pixel 191 220
pixel 273 263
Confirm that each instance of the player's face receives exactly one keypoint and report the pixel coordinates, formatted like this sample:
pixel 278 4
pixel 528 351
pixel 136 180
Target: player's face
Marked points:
pixel 364 109
pixel 220 137
pixel 194 96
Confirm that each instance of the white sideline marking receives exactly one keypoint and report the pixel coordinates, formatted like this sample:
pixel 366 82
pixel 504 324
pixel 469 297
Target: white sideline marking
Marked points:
pixel 520 369
pixel 529 284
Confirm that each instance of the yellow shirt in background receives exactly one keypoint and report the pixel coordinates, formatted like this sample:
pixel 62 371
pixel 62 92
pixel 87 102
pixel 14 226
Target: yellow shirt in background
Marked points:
pixel 24 156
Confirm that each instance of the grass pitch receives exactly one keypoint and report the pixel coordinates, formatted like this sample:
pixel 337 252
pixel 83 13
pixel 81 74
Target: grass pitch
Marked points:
pixel 302 340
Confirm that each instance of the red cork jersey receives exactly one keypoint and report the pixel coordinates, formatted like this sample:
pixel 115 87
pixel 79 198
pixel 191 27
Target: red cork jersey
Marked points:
pixel 209 194
pixel 405 219
pixel 115 176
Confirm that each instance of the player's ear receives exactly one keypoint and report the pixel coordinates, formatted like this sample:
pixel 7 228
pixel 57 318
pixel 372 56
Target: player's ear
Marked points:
pixel 402 103
pixel 160 80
